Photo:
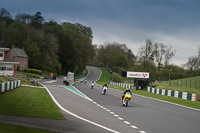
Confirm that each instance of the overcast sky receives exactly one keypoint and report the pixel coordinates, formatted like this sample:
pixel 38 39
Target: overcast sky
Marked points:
pixel 130 22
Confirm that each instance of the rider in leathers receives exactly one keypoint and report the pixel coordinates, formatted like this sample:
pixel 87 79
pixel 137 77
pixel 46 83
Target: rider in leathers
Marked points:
pixel 127 90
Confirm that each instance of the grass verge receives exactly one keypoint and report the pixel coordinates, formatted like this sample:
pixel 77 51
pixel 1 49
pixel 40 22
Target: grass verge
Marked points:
pixel 106 76
pixel 29 101
pixel 9 128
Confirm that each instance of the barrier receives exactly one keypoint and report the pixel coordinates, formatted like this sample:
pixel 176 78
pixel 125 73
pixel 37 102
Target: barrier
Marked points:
pixel 177 94
pixel 9 85
pixel 121 85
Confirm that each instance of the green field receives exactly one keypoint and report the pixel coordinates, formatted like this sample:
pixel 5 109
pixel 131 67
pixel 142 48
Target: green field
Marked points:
pixel 29 101
pixel 9 128
pixel 106 76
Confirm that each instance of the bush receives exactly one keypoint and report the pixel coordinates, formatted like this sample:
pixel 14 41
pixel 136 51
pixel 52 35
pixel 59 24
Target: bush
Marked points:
pixel 35 71
pixel 117 78
pixel 49 73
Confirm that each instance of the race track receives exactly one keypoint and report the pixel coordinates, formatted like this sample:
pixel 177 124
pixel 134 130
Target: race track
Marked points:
pixel 149 115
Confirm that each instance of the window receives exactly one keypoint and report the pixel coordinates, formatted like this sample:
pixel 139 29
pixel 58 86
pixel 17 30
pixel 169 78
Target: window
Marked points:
pixel 1 54
pixel 6 67
pixel 2 68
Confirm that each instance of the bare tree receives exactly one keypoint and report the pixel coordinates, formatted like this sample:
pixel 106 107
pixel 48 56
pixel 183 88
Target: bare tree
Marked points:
pixel 192 63
pixel 147 51
pixel 169 54
pixel 160 51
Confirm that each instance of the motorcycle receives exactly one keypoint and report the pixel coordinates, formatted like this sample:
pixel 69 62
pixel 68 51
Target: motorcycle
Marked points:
pixel 104 89
pixel 81 80
pixel 92 85
pixel 126 99
pixel 85 81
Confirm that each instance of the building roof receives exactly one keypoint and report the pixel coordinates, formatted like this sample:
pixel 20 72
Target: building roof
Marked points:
pixel 4 49
pixel 20 52
pixel 8 63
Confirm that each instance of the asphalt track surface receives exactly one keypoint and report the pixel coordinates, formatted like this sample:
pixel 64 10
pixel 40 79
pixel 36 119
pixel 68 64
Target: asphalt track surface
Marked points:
pixel 96 113
pixel 149 115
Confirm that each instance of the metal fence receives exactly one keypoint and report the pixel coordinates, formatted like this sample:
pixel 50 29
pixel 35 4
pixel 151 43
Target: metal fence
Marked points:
pixel 184 83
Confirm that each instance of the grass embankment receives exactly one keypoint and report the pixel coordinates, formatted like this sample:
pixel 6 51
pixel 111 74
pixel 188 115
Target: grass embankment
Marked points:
pixel 106 76
pixel 4 79
pixel 31 75
pixel 29 101
pixel 9 128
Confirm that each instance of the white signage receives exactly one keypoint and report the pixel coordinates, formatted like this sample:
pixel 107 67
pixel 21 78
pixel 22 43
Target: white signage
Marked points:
pixel 137 74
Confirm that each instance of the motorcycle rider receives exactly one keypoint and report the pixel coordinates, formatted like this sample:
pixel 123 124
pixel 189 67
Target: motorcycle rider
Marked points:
pixel 92 84
pixel 105 85
pixel 85 80
pixel 127 90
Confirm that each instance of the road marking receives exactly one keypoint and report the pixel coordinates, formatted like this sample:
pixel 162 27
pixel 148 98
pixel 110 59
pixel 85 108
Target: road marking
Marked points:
pixel 134 127
pixel 51 81
pixel 112 112
pixel 116 115
pixel 120 118
pixel 128 123
pixel 56 102
pixel 142 132
pixel 76 91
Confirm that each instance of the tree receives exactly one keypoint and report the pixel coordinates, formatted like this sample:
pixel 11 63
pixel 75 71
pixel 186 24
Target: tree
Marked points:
pixel 37 20
pixel 169 54
pixel 155 52
pixel 33 52
pixel 2 33
pixel 120 61
pixel 147 53
pixel 24 18
pixel 15 34
pixel 115 55
pixel 160 51
pixel 5 16
pixel 48 45
pixel 81 37
pixel 192 63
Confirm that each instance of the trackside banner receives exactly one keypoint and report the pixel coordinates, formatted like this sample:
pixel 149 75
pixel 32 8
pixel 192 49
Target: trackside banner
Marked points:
pixel 137 74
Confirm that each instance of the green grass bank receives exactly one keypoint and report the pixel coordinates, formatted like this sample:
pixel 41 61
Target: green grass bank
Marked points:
pixel 29 101
pixel 9 128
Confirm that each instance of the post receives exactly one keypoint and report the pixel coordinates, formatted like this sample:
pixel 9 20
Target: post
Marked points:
pixel 197 81
pixel 160 74
pixel 169 77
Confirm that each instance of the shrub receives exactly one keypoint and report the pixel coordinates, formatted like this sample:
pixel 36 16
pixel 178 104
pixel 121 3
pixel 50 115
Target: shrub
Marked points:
pixel 117 78
pixel 35 71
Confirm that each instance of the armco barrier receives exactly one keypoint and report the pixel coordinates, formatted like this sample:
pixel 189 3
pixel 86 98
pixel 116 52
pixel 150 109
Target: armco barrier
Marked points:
pixel 177 94
pixel 9 85
pixel 121 85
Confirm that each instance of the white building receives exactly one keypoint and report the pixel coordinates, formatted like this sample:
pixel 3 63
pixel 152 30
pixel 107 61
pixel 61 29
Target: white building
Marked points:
pixel 6 68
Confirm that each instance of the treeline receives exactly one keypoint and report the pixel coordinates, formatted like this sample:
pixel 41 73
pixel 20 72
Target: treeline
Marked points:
pixel 152 57
pixel 50 46
pixel 64 47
